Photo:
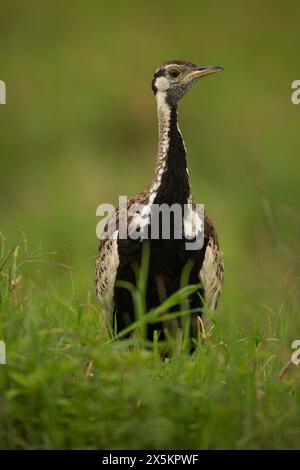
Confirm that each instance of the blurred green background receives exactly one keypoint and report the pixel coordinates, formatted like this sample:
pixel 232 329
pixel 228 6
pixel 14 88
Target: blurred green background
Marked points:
pixel 79 128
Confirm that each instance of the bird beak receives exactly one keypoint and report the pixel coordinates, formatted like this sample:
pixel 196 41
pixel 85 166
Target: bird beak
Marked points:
pixel 200 72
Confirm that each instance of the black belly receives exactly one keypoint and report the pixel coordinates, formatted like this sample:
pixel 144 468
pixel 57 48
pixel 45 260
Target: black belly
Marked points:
pixel 167 260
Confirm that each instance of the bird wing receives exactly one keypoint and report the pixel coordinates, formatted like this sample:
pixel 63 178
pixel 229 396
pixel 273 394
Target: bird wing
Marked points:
pixel 108 261
pixel 106 271
pixel 212 270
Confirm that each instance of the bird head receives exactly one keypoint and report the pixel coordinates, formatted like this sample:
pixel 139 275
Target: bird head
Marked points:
pixel 174 78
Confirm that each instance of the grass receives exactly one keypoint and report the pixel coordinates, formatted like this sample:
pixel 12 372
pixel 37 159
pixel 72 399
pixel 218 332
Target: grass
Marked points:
pixel 68 385
pixel 79 129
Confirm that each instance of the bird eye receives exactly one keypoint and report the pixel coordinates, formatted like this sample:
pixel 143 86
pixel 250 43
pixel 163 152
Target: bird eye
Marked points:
pixel 174 73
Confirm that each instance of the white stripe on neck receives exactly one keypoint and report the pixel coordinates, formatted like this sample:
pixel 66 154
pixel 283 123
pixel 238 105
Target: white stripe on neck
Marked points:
pixel 163 114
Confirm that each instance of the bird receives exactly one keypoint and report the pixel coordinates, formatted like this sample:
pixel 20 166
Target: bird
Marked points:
pixel 118 256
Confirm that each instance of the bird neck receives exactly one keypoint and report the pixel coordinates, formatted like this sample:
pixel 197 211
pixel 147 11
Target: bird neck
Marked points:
pixel 171 181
